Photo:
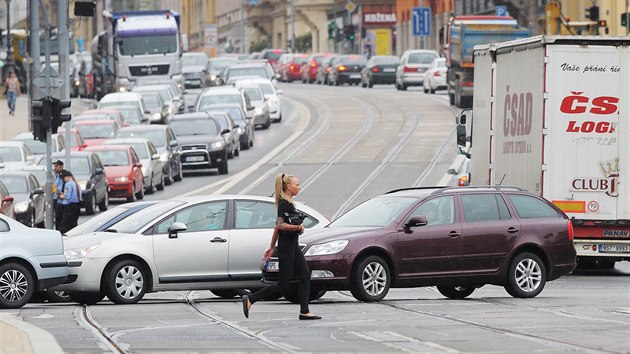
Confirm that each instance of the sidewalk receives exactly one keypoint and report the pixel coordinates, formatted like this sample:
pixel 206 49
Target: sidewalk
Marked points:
pixel 17 336
pixel 11 125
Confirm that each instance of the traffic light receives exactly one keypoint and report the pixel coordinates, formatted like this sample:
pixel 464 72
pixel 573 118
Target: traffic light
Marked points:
pixel 40 118
pixel 624 19
pixel 593 13
pixel 57 116
pixel 348 30
pixel 331 29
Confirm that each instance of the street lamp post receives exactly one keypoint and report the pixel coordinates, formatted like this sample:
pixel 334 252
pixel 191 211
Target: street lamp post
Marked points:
pixel 10 59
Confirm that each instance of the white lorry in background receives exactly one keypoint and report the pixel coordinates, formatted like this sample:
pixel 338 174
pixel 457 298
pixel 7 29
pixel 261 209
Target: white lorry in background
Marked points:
pixel 137 44
pixel 551 115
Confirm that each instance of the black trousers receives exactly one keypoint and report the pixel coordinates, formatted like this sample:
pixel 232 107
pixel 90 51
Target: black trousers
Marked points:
pixel 291 261
pixel 58 215
pixel 69 217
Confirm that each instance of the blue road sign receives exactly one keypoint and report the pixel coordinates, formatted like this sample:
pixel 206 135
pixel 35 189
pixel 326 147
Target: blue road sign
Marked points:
pixel 500 11
pixel 421 21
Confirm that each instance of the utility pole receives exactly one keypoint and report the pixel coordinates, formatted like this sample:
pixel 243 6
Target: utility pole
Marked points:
pixel 242 26
pixel 200 22
pixel 10 59
pixel 292 26
pixel 63 38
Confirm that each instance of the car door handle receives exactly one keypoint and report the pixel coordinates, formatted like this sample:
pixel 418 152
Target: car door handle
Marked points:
pixel 218 239
pixel 512 230
pixel 453 233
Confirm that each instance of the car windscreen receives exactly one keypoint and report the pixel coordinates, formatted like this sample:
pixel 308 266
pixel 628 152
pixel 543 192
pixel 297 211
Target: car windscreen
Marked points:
pixel 131 116
pixel 376 212
pixel 160 44
pixel 119 103
pixel 36 146
pixel 353 60
pixel 256 72
pixel 299 60
pixel 10 153
pixel 220 63
pixel 113 157
pixel 386 60
pixel 155 136
pixel 207 100
pixel 237 114
pixel 96 131
pixel 163 92
pixel 254 93
pixel 151 102
pixel 272 54
pixel 267 89
pixel 80 165
pixel 93 224
pixel 140 149
pixel 139 220
pixel 184 127
pixel 15 184
pixel 421 58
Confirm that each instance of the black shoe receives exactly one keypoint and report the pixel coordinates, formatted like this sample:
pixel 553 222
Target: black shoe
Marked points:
pixel 245 299
pixel 311 317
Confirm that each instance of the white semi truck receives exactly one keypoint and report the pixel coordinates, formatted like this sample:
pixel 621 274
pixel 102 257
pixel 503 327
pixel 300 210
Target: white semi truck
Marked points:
pixel 550 113
pixel 136 44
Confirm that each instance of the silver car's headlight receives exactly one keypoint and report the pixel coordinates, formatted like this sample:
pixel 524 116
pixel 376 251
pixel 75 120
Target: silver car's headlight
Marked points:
pixel 164 157
pixel 144 170
pixel 156 116
pixel 82 252
pixel 21 207
pixel 331 247
pixel 240 130
pixel 258 110
pixel 83 185
pixel 217 145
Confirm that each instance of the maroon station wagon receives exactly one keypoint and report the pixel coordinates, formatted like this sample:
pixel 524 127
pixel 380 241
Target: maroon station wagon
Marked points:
pixel 457 239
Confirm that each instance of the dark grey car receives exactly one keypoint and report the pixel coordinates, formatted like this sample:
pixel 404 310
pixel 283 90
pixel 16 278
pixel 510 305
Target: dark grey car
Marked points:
pixel 28 197
pixel 202 141
pixel 245 125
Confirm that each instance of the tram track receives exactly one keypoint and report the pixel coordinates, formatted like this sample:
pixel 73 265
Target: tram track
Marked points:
pixel 83 315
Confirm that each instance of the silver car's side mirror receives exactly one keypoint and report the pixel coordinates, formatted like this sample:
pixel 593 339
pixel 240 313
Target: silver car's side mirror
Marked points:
pixel 175 228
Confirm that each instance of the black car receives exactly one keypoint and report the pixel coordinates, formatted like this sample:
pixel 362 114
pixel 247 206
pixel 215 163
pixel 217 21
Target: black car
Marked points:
pixel 346 69
pixel 28 195
pixel 89 172
pixel 166 144
pixel 203 144
pixel 380 69
pixel 245 125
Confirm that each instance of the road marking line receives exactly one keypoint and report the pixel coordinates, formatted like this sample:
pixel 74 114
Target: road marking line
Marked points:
pixel 304 120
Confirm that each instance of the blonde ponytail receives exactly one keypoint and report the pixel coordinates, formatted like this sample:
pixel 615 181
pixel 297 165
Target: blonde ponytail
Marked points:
pixel 281 183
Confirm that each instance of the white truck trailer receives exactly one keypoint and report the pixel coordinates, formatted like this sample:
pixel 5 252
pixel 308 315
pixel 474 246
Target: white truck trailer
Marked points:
pixel 550 113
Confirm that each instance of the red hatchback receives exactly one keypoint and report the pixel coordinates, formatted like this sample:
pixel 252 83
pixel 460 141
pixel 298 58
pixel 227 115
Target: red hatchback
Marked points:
pixel 292 70
pixel 123 170
pixel 96 132
pixel 312 64
pixel 76 141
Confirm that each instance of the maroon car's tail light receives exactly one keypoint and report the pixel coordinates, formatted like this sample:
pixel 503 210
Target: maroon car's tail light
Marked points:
pixel 437 73
pixel 570 227
pixel 375 69
pixel 327 70
pixel 409 70
pixel 313 64
pixel 341 68
pixel 467 84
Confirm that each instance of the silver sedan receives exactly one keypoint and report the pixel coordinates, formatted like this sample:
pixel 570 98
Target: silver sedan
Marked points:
pixel 203 242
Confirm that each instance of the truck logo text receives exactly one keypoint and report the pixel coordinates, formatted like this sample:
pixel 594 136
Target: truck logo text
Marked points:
pixel 517 121
pixel 607 184
pixel 577 103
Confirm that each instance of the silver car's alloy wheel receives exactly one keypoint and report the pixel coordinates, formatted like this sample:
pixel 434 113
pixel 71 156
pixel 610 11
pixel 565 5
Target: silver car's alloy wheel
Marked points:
pixel 528 275
pixel 374 279
pixel 129 282
pixel 13 285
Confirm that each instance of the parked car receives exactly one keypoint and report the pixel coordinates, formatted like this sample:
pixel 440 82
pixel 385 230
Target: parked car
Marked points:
pixel 246 129
pixel 435 76
pixel 195 69
pixel 28 197
pixel 202 140
pixel 89 172
pixel 15 154
pixel 178 92
pixel 346 69
pixel 166 144
pixel 262 115
pixel 6 202
pixel 311 66
pixel 103 221
pixel 96 132
pixel 152 167
pixel 38 148
pixel 123 169
pixel 31 260
pixel 413 64
pixel 220 237
pixel 380 69
pixel 456 238
pixel 324 70
pixel 106 114
pixel 270 93
pixel 292 70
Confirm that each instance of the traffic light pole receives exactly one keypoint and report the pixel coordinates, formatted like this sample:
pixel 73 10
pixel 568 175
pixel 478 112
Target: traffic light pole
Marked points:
pixel 49 212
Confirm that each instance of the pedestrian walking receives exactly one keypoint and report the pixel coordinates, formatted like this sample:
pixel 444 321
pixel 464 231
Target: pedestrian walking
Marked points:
pixel 12 91
pixel 69 200
pixel 290 258
pixel 57 186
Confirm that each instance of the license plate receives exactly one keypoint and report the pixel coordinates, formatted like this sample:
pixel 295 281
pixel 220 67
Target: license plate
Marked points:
pixel 272 266
pixel 614 248
pixel 388 70
pixel 194 158
pixel 355 76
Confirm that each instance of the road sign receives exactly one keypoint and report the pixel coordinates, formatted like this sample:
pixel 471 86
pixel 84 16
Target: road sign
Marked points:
pixel 421 21
pixel 500 10
pixel 41 82
pixel 350 6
